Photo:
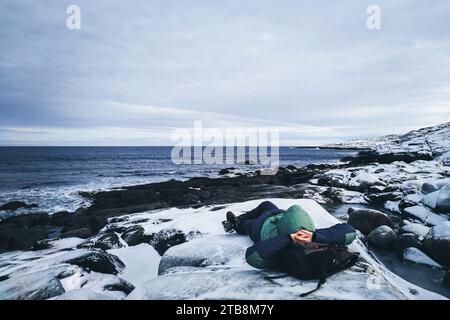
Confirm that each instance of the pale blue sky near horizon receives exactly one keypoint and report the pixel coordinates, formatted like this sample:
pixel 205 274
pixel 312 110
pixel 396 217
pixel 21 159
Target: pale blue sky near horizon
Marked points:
pixel 137 70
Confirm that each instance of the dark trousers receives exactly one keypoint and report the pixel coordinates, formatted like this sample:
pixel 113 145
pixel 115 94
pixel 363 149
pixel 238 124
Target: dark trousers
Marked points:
pixel 249 218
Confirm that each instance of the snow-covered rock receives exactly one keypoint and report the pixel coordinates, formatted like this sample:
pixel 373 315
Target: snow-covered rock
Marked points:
pixel 213 267
pixel 438 201
pixel 415 255
pixel 445 158
pixel 84 294
pixel 215 250
pixel 415 228
pixel 141 263
pixel 37 285
pixel 433 139
pixel 425 215
pixel 363 181
pixel 437 243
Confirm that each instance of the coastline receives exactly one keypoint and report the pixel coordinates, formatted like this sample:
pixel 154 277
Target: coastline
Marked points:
pixel 392 193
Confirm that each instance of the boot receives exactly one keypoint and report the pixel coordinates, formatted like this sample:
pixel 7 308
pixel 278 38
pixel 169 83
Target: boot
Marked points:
pixel 232 222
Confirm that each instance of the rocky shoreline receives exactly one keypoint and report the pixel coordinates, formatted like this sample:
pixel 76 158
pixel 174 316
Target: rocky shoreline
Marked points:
pixel 405 191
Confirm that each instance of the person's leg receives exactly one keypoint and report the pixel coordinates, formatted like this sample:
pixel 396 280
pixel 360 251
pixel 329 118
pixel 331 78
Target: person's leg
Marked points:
pixel 265 206
pixel 246 227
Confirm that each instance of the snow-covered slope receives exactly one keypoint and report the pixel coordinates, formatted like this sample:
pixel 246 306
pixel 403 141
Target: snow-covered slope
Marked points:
pixel 213 266
pixel 434 139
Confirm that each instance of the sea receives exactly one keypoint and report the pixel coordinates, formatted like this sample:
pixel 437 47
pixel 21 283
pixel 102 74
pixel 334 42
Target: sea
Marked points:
pixel 52 177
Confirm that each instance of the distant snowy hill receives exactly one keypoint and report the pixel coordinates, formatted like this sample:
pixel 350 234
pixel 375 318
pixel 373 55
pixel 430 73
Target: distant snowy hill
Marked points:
pixel 434 140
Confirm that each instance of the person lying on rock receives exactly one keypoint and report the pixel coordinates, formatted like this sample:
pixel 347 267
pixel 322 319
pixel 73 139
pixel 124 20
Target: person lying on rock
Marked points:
pixel 275 231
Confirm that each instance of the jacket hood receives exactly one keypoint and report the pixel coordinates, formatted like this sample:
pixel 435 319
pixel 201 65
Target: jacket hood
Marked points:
pixel 294 219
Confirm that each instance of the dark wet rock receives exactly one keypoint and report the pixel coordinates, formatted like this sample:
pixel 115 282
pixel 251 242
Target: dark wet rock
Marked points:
pixel 335 195
pixel 227 171
pixel 376 189
pixel 330 181
pixel 82 233
pixel 405 203
pixel 115 228
pixel 119 219
pixel 437 243
pixel 366 220
pixel 167 238
pixel 381 198
pixel 428 188
pixel 382 237
pixel 446 280
pixel 407 240
pixel 14 205
pixel 133 235
pixel 372 156
pixel 217 208
pixel 120 285
pixel 18 238
pixel 107 241
pixel 42 245
pixel 99 261
pixel 164 220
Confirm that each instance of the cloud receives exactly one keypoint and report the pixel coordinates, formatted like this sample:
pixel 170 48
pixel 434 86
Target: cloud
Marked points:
pixel 148 67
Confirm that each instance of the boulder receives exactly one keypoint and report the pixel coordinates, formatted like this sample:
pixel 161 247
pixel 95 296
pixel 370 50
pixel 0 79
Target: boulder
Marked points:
pixel 416 256
pixel 107 241
pixel 363 181
pixel 381 198
pixel 39 285
pixel 376 190
pixel 446 280
pixel 133 235
pixel 14 205
pixel 366 220
pixel 82 233
pixel 438 201
pixel 96 260
pixel 206 251
pixel 227 171
pixel 415 228
pixel 84 295
pixel 406 240
pixel 423 214
pixel 445 158
pixel 382 237
pixel 428 187
pixel 406 203
pixel 167 238
pixel 437 243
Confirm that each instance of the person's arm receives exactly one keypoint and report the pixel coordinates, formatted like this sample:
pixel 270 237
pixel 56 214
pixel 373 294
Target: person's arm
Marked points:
pixel 339 234
pixel 259 254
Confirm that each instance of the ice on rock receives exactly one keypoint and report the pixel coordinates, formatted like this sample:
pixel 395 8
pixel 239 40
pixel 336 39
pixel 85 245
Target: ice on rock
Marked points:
pixel 141 263
pixel 213 250
pixel 442 231
pixel 416 228
pixel 425 215
pixel 37 285
pixel 86 294
pixel 439 200
pixel 415 255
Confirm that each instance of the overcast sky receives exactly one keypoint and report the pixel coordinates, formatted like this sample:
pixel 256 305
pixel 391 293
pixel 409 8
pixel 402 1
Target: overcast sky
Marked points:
pixel 137 70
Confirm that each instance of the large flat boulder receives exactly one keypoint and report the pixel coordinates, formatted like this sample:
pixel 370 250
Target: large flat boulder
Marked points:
pixel 213 267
